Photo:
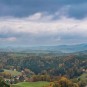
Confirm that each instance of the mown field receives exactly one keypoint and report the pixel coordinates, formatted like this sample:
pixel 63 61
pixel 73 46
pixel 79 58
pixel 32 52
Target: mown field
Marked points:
pixel 83 77
pixel 12 72
pixel 31 84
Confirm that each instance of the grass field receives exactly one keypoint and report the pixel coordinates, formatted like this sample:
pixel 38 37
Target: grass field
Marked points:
pixel 31 84
pixel 83 77
pixel 13 73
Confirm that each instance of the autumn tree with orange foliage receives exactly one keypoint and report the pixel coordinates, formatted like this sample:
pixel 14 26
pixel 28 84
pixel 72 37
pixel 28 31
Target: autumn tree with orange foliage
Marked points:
pixel 63 82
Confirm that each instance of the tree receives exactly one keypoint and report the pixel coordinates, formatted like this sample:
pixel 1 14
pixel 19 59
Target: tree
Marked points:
pixel 63 82
pixel 2 83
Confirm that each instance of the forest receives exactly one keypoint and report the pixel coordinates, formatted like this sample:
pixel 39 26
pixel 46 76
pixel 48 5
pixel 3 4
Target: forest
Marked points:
pixel 55 68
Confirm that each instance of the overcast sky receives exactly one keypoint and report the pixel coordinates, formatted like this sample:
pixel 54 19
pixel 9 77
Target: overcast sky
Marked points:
pixel 43 22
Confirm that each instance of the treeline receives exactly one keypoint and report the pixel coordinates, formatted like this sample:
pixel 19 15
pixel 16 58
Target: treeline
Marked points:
pixel 65 82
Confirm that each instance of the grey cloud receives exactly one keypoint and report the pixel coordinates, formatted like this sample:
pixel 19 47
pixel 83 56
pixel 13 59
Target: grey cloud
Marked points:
pixel 23 8
pixel 44 39
pixel 78 11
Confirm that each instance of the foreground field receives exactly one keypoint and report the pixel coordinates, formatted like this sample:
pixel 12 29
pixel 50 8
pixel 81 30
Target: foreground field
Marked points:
pixel 31 84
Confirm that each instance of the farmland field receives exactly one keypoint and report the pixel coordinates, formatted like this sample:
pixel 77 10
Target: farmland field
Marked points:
pixel 31 84
pixel 12 72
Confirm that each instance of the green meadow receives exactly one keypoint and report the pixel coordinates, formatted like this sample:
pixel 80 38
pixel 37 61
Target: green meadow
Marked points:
pixel 31 84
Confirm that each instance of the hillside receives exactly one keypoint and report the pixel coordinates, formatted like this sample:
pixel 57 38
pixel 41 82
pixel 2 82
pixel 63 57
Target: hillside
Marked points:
pixel 45 49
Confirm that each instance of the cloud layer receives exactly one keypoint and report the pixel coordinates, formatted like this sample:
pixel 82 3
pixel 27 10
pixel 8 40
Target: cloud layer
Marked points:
pixel 23 8
pixel 42 29
pixel 43 22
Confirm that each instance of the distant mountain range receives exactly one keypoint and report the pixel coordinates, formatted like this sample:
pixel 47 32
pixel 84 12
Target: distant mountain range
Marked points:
pixel 50 49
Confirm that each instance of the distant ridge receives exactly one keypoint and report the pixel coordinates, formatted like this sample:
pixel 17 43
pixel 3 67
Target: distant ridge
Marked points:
pixel 49 49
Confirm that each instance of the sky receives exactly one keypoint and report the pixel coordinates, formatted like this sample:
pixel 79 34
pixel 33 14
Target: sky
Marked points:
pixel 43 22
